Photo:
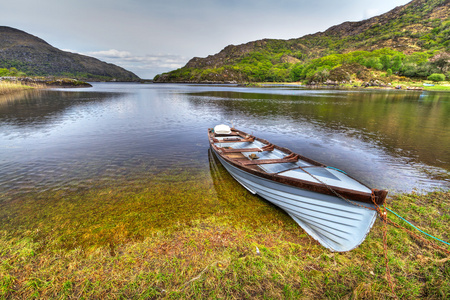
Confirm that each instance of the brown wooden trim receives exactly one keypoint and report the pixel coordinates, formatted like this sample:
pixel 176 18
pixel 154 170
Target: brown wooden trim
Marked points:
pixel 269 161
pixel 269 147
pixel 241 150
pixel 380 195
pixel 283 149
pixel 222 134
pixel 311 186
pixel 237 140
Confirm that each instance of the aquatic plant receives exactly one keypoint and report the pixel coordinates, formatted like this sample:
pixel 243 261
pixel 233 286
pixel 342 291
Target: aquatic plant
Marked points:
pixel 176 236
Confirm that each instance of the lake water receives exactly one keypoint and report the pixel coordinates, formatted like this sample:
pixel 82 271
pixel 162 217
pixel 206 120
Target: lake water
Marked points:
pixel 115 133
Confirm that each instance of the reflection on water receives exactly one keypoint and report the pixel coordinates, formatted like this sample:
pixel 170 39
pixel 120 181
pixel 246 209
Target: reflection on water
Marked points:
pixel 38 108
pixel 410 124
pixel 394 139
pixel 115 133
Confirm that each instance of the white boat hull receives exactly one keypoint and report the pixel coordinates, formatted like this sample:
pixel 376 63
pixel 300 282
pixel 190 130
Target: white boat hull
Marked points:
pixel 335 223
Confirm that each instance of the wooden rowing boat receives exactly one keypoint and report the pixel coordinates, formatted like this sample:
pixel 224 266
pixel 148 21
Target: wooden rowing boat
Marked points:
pixel 334 208
pixel 414 88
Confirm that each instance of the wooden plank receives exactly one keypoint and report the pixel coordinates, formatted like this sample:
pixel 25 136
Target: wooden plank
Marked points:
pixel 225 135
pixel 241 150
pixel 239 161
pixel 234 140
pixel 269 147
pixel 236 156
pixel 270 161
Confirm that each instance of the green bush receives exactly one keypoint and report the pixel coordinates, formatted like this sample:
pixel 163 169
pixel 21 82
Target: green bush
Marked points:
pixel 4 72
pixel 436 77
pixel 11 72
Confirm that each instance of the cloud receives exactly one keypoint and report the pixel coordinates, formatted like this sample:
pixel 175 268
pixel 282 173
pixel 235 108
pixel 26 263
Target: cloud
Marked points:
pixel 145 66
pixel 371 12
pixel 112 53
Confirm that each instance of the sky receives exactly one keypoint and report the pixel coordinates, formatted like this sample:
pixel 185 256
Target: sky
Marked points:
pixel 149 37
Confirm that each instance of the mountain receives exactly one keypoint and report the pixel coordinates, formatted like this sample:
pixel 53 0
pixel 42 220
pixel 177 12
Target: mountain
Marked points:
pixel 400 35
pixel 34 56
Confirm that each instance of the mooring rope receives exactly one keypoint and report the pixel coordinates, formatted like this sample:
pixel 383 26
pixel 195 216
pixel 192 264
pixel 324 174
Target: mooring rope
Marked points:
pixel 383 216
pixel 416 227
pixel 385 220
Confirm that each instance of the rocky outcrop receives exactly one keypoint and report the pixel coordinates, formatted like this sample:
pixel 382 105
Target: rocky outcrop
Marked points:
pixel 34 56
pixel 228 55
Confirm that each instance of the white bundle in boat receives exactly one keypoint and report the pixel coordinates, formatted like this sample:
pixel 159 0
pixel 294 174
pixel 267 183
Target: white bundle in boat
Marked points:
pixel 222 129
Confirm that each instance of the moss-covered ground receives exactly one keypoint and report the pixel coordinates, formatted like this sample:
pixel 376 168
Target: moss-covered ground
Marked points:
pixel 178 236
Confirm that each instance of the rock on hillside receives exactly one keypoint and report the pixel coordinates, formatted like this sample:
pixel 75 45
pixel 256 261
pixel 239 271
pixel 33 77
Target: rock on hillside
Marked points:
pixel 409 28
pixel 34 56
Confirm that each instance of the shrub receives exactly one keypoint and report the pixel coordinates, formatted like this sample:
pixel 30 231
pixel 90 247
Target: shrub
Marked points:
pixel 436 77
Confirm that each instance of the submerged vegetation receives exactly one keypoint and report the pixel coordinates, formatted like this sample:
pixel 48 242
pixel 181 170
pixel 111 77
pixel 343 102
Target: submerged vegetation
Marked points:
pixel 176 236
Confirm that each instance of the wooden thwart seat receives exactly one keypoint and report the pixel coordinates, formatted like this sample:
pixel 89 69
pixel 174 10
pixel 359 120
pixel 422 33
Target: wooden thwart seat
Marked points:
pixel 226 134
pixel 269 147
pixel 287 159
pixel 235 140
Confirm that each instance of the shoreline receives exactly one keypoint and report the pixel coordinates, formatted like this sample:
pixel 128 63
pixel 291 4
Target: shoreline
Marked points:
pixel 193 232
pixel 84 245
pixel 7 88
pixel 398 85
pixel 405 85
pixel 10 85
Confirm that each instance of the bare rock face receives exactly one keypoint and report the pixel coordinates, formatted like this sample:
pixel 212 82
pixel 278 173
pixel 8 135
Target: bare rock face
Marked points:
pixel 347 72
pixel 289 59
pixel 34 56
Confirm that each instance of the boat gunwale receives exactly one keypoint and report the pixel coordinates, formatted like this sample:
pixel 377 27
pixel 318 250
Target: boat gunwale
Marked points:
pixel 349 194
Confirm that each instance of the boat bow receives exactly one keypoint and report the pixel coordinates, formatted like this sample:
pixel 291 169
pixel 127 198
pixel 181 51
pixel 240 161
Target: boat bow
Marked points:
pixel 335 209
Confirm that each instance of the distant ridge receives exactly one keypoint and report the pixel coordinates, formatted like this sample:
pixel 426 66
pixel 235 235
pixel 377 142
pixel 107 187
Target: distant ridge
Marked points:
pixel 35 57
pixel 418 26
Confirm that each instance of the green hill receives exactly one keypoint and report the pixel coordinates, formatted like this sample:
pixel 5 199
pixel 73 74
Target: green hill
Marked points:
pixel 34 57
pixel 410 40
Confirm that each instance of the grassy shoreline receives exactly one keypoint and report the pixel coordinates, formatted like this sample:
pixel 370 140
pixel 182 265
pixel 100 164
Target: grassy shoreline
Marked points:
pixel 7 87
pixel 10 87
pixel 177 237
pixel 443 86
pixel 182 235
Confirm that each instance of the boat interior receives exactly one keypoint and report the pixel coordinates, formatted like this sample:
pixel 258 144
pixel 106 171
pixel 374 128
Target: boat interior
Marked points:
pixel 260 155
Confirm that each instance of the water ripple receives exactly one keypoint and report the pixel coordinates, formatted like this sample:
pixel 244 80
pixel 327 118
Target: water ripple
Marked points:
pixel 116 133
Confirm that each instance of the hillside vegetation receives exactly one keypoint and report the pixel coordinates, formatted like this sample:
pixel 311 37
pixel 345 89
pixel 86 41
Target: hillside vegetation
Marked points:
pixel 26 54
pixel 411 40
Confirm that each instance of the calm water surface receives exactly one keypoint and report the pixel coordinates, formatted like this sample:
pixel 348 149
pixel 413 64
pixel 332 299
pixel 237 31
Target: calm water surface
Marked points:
pixel 112 133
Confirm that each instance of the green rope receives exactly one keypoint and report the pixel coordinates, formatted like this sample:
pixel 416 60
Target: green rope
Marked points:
pixel 336 169
pixel 416 227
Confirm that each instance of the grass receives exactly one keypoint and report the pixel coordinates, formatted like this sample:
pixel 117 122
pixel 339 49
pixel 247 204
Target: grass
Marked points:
pixel 437 86
pixel 440 86
pixel 7 87
pixel 174 236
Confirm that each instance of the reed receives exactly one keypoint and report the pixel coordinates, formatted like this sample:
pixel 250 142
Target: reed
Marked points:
pixel 7 87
